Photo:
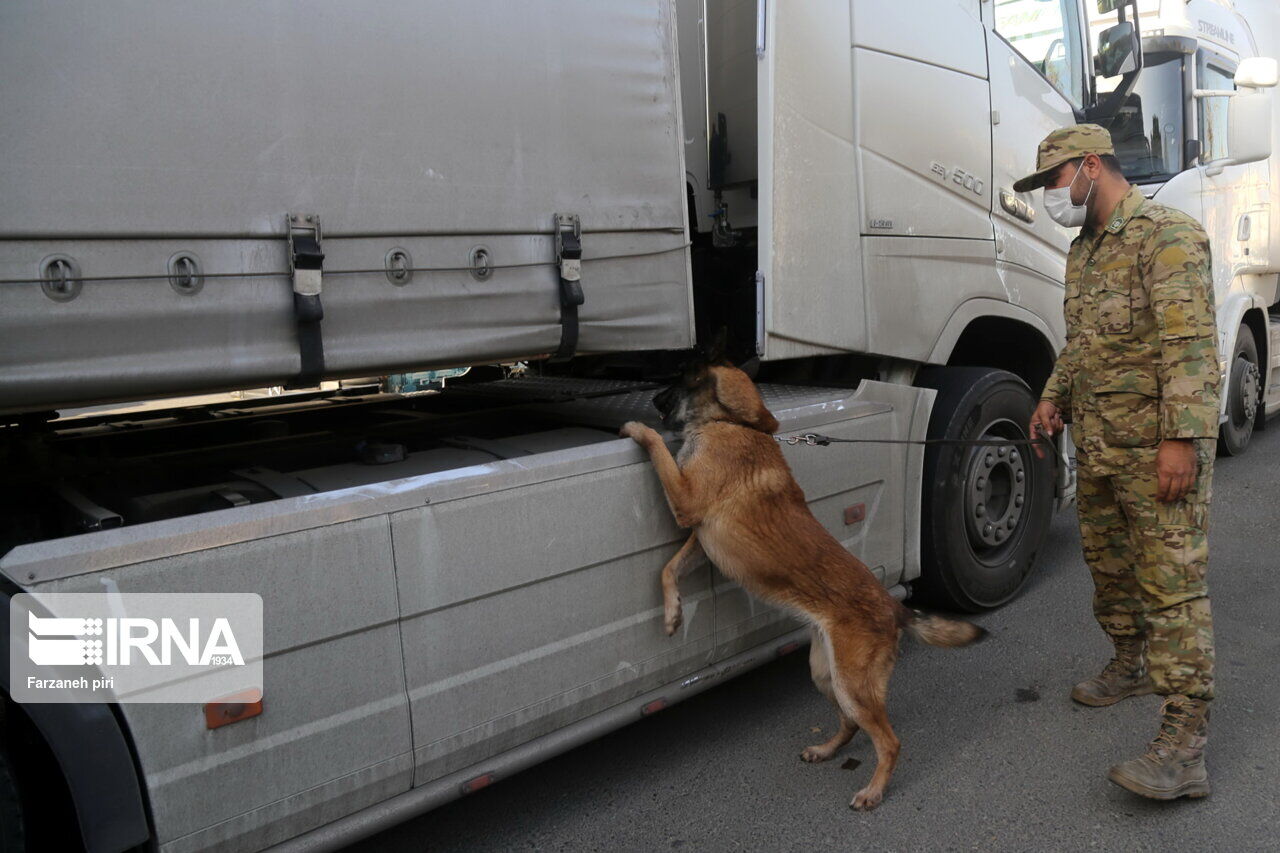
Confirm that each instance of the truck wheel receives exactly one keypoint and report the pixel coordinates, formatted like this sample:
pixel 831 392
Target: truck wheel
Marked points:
pixel 986 509
pixel 1244 391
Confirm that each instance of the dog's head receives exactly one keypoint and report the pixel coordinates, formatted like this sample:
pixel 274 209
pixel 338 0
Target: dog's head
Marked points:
pixel 712 389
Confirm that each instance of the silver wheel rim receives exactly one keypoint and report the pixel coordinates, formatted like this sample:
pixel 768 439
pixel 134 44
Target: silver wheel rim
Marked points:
pixel 1244 403
pixel 995 492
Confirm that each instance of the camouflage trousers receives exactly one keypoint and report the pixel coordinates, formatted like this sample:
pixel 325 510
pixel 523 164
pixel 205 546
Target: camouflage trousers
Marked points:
pixel 1148 561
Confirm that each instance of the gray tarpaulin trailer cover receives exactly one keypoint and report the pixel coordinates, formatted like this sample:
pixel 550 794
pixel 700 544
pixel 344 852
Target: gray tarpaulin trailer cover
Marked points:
pixel 147 189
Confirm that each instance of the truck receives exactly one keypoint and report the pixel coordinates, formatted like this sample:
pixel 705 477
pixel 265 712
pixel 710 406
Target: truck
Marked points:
pixel 1208 70
pixel 565 198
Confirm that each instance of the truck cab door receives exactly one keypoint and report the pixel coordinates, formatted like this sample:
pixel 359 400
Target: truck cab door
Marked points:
pixel 810 255
pixel 1037 53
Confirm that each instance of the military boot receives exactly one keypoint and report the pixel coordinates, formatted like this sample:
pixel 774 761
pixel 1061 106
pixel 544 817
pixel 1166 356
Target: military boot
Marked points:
pixel 1174 764
pixel 1125 676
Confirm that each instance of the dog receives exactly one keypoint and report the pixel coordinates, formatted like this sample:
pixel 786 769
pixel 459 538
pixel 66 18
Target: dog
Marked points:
pixel 732 487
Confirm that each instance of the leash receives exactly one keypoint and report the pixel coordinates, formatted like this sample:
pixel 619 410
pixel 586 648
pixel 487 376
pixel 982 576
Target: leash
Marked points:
pixel 818 439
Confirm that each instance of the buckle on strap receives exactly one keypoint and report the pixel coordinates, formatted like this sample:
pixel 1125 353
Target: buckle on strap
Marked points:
pixel 306 261
pixel 568 233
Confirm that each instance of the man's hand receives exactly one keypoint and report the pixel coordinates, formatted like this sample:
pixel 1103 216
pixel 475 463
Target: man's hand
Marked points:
pixel 1176 468
pixel 1045 420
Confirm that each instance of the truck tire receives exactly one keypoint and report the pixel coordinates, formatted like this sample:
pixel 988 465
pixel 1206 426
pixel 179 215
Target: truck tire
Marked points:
pixel 12 827
pixel 986 509
pixel 1244 391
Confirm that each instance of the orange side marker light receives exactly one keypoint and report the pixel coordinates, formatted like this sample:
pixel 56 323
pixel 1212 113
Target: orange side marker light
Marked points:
pixel 472 785
pixel 233 708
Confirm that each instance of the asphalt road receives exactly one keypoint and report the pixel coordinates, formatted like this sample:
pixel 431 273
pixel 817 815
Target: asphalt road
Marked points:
pixel 995 756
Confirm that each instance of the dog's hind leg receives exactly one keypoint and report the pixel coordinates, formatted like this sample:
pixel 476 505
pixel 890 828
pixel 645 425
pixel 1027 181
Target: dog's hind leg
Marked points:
pixel 820 671
pixel 861 665
pixel 689 555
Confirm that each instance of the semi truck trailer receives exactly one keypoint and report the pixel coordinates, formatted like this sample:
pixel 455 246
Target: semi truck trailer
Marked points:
pixel 565 197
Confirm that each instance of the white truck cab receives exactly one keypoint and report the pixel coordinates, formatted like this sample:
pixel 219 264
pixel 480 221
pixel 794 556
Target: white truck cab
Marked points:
pixel 1197 133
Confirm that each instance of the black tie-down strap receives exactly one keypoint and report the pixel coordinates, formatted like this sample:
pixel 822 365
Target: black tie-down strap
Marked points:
pixel 306 261
pixel 569 261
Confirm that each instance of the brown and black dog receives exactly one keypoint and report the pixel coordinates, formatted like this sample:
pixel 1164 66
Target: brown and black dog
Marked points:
pixel 732 486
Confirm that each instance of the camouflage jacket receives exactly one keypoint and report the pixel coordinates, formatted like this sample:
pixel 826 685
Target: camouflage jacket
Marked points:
pixel 1141 361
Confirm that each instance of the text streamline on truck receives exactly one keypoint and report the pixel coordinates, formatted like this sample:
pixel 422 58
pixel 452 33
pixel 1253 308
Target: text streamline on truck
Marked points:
pixel 458 584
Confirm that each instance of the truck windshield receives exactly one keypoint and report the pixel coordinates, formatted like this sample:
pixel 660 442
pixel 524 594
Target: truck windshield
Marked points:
pixel 1148 131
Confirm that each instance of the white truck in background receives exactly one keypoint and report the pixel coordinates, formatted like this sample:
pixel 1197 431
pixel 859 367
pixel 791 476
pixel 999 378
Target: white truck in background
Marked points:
pixel 1195 134
pixel 459 584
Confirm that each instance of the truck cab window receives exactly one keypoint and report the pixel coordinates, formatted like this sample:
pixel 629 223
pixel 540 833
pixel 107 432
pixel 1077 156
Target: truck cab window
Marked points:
pixel 1210 74
pixel 1148 129
pixel 1047 34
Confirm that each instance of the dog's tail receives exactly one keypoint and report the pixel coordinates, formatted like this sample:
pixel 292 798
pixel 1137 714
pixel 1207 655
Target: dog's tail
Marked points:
pixel 938 631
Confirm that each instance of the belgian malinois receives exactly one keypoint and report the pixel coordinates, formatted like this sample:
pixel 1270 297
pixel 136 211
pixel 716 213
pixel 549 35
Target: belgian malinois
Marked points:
pixel 732 487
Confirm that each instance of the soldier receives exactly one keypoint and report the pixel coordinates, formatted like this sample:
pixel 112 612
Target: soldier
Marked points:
pixel 1138 379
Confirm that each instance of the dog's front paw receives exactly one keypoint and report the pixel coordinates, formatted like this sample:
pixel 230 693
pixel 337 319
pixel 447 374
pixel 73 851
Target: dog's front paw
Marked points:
pixel 636 431
pixel 866 799
pixel 814 754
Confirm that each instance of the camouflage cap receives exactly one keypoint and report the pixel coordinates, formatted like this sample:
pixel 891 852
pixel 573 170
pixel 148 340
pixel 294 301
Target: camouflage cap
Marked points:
pixel 1065 144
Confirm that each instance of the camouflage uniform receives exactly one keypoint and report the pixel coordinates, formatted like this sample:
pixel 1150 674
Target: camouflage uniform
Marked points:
pixel 1140 366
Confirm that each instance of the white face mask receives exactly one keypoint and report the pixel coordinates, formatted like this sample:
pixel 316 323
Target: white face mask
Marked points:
pixel 1057 202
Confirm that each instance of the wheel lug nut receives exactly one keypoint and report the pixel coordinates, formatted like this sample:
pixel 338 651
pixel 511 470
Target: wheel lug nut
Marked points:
pixel 1017 501
pixel 989 461
pixel 982 482
pixel 980 510
pixel 1013 456
pixel 986 529
pixel 1018 476
pixel 1002 451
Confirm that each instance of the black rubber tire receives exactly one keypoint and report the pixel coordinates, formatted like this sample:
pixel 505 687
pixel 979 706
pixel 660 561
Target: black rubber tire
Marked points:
pixel 959 570
pixel 1237 429
pixel 12 826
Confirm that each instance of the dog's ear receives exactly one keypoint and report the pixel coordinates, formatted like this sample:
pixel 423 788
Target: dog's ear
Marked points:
pixel 738 396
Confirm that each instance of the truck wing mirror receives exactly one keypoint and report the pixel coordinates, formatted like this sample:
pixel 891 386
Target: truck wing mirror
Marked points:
pixel 1119 53
pixel 1118 50
pixel 1257 72
pixel 1248 113
pixel 1248 128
